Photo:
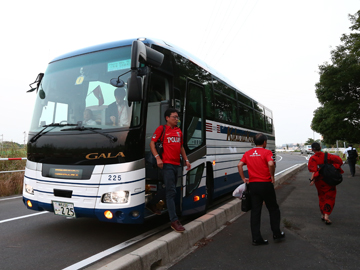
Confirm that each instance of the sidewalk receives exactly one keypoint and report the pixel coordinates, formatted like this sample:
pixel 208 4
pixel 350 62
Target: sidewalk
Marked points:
pixel 309 244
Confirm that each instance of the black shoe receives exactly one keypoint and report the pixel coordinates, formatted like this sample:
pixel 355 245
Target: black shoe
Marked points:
pixel 279 237
pixel 260 242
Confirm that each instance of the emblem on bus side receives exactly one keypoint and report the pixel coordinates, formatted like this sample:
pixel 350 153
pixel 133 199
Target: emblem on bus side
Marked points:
pixel 103 155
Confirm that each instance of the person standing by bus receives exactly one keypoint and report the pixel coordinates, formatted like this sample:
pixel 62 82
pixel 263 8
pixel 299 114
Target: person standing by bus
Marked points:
pixel 169 163
pixel 261 169
pixel 352 156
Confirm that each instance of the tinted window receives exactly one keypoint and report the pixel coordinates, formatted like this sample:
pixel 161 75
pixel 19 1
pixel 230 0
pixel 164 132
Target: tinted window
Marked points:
pixel 258 107
pixel 259 121
pixel 193 178
pixel 194 134
pixel 246 116
pixel 209 101
pixel 225 108
pixel 268 124
pixel 223 88
pixel 244 100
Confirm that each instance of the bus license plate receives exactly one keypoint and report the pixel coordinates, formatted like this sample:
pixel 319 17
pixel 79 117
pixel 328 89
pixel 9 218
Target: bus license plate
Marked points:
pixel 64 209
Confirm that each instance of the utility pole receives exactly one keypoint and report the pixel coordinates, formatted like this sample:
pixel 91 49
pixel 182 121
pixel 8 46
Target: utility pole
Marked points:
pixel 24 137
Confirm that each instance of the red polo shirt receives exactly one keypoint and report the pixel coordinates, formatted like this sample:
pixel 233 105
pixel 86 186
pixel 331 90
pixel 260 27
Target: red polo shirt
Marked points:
pixel 172 143
pixel 257 160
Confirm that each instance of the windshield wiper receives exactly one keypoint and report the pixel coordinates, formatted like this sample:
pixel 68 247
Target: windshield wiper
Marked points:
pixel 80 127
pixel 42 132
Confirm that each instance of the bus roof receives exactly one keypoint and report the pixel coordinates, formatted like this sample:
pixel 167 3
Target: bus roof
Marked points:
pixel 150 41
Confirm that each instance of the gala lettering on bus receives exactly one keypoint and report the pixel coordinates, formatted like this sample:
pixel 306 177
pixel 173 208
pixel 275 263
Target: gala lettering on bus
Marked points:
pixel 103 155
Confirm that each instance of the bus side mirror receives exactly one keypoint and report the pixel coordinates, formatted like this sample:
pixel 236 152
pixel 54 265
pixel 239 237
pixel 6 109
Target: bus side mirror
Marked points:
pixel 141 54
pixel 144 54
pixel 134 85
pixel 37 81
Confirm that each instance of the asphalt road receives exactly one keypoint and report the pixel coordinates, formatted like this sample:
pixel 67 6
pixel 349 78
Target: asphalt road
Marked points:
pixel 309 243
pixel 286 160
pixel 46 241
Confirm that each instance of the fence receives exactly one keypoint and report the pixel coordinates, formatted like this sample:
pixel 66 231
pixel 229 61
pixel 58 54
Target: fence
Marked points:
pixel 12 159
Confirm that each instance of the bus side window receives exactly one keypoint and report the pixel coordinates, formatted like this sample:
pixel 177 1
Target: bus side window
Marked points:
pixel 193 178
pixel 158 92
pixel 209 101
pixel 194 132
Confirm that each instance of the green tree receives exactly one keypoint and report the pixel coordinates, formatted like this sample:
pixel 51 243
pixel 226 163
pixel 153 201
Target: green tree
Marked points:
pixel 309 141
pixel 338 90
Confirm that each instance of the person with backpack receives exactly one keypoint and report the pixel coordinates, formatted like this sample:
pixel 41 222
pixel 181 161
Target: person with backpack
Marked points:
pixel 326 192
pixel 352 156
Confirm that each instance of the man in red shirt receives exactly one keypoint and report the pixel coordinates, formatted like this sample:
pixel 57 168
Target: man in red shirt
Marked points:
pixel 261 169
pixel 169 163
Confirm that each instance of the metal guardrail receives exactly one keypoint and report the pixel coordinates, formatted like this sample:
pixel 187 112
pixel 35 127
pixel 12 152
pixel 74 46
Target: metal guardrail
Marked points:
pixel 12 159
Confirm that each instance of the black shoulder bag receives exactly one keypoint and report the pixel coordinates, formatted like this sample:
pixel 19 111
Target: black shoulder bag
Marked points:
pixel 246 200
pixel 331 175
pixel 159 148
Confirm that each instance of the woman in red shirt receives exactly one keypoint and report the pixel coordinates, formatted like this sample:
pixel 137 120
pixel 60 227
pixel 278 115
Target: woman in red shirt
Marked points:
pixel 326 193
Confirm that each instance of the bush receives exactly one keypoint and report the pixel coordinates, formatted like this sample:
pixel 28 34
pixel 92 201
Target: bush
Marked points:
pixel 11 183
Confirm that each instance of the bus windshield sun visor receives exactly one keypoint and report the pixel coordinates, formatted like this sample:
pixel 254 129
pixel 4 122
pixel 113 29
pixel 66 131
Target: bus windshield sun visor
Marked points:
pixel 42 132
pixel 95 130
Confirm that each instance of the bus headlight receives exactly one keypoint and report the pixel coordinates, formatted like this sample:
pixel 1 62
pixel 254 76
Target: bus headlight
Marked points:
pixel 29 189
pixel 120 197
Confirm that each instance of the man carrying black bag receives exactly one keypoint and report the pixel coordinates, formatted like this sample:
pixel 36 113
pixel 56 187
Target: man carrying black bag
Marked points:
pixel 261 169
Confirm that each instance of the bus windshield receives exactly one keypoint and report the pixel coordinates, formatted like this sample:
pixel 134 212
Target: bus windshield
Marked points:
pixel 78 89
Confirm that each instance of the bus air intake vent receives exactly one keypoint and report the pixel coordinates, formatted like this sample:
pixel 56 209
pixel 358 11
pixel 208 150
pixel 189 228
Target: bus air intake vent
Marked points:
pixel 62 193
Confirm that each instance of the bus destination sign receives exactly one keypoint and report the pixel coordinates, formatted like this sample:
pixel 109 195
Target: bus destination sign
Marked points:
pixel 65 173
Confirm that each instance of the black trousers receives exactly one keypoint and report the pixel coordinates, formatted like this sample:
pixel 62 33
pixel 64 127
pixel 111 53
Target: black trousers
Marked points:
pixel 352 163
pixel 263 192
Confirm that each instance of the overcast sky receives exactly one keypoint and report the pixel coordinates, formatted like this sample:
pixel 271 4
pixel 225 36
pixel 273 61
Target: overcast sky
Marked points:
pixel 270 49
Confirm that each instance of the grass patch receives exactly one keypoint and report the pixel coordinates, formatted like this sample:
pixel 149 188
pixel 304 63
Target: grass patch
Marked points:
pixel 287 223
pixel 11 183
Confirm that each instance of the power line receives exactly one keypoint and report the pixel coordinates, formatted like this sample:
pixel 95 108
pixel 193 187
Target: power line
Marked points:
pixel 221 24
pixel 237 32
pixel 239 16
pixel 207 27
pixel 214 31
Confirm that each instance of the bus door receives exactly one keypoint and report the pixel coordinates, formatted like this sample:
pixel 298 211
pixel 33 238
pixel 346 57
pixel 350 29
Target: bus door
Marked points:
pixel 157 96
pixel 194 125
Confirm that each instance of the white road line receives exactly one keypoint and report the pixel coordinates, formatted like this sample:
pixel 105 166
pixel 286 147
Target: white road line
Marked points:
pixel 114 249
pixel 11 198
pixel 21 217
pixel 280 158
pixel 287 169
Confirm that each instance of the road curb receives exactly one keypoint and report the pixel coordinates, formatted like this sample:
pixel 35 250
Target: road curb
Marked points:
pixel 172 245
